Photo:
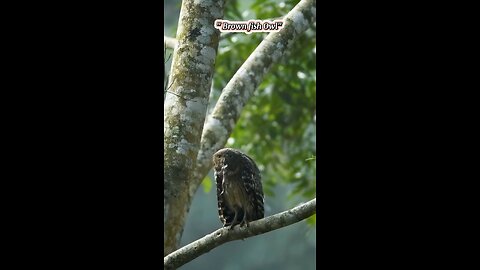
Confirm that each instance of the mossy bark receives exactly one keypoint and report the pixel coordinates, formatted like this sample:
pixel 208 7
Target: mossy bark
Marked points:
pixel 185 108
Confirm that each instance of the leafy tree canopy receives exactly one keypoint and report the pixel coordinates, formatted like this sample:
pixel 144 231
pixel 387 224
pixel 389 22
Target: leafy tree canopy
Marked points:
pixel 278 125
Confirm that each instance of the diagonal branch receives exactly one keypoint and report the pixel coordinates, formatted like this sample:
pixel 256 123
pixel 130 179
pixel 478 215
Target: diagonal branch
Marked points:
pixel 223 235
pixel 220 123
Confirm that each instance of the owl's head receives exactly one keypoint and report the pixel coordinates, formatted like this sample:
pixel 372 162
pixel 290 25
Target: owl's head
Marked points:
pixel 225 156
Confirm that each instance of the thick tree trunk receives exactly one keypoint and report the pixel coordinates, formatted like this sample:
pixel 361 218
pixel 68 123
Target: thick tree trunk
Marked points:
pixel 185 108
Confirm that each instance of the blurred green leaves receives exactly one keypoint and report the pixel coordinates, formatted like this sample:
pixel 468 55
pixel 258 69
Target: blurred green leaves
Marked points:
pixel 277 126
pixel 312 220
pixel 207 184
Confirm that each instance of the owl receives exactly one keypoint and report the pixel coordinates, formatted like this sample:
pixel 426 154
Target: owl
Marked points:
pixel 239 188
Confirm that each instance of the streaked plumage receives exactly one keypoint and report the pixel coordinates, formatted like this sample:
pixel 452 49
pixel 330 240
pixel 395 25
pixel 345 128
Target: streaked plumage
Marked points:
pixel 239 188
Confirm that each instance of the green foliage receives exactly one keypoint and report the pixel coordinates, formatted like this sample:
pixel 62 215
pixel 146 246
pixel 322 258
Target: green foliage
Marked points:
pixel 277 127
pixel 207 184
pixel 312 220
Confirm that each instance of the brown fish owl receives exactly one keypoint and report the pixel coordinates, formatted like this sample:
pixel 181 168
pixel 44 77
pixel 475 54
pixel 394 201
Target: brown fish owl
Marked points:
pixel 239 188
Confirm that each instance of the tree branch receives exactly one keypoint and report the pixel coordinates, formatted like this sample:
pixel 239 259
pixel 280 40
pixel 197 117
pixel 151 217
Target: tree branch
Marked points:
pixel 223 235
pixel 220 123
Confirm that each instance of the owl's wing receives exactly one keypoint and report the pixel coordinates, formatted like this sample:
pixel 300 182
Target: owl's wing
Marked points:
pixel 253 186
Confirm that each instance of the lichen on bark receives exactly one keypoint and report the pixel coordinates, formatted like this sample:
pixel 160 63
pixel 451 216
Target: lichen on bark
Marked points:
pixel 185 108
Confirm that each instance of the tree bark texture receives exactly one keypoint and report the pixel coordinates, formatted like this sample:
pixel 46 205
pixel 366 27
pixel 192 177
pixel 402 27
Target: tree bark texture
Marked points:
pixel 185 108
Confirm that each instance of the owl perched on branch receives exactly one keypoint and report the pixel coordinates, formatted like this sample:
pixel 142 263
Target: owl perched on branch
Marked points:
pixel 239 189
